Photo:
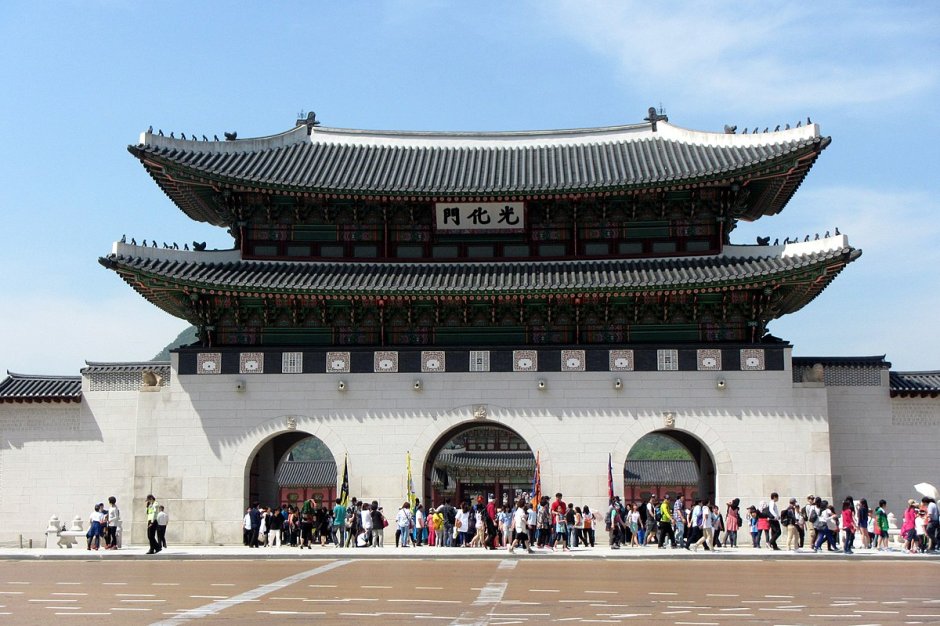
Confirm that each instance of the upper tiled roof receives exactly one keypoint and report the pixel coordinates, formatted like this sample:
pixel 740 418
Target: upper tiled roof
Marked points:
pixel 425 165
pixel 307 473
pixel 660 472
pixel 910 384
pixel 32 388
pixel 737 265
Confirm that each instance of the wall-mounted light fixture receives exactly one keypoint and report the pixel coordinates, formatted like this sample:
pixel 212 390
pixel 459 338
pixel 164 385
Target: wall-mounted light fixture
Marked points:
pixel 721 384
pixel 618 384
pixel 542 384
pixel 417 384
pixel 341 386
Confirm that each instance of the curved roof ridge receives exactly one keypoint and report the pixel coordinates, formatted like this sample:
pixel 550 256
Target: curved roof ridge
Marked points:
pixel 584 136
pixel 17 376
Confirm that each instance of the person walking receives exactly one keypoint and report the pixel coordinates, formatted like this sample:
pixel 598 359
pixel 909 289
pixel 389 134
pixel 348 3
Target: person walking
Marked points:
pixel 521 528
pixel 152 524
pixel 773 519
pixel 162 520
pixel 848 526
pixel 665 523
pixel 94 528
pixel 403 521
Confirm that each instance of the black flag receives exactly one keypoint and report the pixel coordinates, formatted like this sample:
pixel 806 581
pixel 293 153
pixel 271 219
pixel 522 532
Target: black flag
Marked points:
pixel 344 488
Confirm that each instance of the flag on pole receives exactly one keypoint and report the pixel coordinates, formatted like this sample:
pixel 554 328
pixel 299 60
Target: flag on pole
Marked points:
pixel 344 488
pixel 610 478
pixel 411 486
pixel 537 481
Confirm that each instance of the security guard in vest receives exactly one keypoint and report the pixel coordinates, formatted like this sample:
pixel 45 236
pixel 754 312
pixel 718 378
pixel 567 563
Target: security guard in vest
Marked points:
pixel 152 524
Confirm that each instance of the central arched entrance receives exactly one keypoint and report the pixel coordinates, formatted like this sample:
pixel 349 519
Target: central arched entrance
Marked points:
pixel 290 468
pixel 669 462
pixel 474 459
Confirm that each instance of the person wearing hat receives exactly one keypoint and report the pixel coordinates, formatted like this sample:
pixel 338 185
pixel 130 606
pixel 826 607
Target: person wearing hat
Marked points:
pixel 152 511
pixel 788 519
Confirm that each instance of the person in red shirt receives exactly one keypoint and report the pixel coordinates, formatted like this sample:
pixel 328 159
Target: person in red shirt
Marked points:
pixel 558 510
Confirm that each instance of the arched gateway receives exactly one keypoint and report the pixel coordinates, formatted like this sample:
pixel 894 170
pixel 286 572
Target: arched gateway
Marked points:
pixel 273 478
pixel 683 466
pixel 475 459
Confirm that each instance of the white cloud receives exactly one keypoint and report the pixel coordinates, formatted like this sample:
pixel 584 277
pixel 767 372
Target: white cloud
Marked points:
pixel 762 57
pixel 44 333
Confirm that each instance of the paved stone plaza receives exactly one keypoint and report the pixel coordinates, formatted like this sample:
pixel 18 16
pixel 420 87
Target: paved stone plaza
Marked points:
pixel 473 591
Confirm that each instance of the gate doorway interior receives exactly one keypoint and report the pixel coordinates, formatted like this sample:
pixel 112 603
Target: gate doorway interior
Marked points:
pixel 669 462
pixel 291 451
pixel 478 460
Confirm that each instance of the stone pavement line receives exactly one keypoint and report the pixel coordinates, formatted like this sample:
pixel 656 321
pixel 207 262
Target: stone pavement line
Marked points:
pixel 490 595
pixel 220 605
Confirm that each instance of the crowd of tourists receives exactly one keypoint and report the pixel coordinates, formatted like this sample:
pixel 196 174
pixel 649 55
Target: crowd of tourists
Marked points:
pixel 698 523
pixel 546 524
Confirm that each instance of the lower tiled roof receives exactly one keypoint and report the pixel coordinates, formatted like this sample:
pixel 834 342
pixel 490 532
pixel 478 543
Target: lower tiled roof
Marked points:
pixel 660 473
pixel 33 388
pixel 306 474
pixel 915 384
pixel 93 367
pixel 493 278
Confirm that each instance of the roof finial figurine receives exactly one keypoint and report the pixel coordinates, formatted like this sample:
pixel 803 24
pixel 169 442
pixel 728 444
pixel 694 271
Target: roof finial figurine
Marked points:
pixel 766 129
pixel 204 138
pixel 763 241
pixel 817 237
pixel 777 241
pixel 786 241
pixel 808 121
pixel 150 129
pixel 787 127
pixel 232 136
pixel 806 238
pixel 183 136
pixel 186 246
pixel 310 121
pixel 837 231
pixel 160 132
pixel 199 246
pixel 144 243
pixel 653 117
pixel 123 238
pixel 777 128
pixel 799 124
pixel 154 243
pixel 165 246
pixel 215 137
pixel 176 246
pixel 133 241
pixel 827 235
pixel 171 135
pixel 730 130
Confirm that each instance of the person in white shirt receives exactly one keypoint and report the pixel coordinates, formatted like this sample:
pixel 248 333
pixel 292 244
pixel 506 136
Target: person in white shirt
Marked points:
pixel 246 527
pixel 366 516
pixel 520 525
pixel 463 525
pixel 162 520
pixel 403 521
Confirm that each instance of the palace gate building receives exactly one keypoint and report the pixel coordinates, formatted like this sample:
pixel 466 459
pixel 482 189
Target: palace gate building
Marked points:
pixel 475 301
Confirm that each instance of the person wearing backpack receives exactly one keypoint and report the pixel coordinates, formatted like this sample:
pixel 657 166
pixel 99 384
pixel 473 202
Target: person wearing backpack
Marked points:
pixel 788 520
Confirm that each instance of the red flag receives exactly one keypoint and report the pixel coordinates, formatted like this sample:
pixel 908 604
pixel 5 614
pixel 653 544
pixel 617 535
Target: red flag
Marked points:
pixel 610 478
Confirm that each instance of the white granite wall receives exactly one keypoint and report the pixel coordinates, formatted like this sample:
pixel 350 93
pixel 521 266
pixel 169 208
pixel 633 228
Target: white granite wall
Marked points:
pixel 882 446
pixel 191 443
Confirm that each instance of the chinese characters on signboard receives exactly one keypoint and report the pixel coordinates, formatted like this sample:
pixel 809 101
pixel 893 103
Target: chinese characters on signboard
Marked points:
pixel 469 217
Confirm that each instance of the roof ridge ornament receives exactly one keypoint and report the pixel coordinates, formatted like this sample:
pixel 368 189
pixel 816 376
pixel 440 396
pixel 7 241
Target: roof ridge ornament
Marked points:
pixel 653 116
pixel 310 120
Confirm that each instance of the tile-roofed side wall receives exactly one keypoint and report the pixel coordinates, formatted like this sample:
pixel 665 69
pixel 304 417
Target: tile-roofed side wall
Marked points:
pixel 660 472
pixel 915 384
pixel 33 388
pixel 307 473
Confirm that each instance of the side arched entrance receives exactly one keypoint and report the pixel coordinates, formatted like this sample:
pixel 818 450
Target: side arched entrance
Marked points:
pixel 478 459
pixel 289 468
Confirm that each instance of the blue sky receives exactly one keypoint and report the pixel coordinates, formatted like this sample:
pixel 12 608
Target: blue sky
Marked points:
pixel 81 80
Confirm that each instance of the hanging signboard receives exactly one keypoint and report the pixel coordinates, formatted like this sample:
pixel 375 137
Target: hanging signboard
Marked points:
pixel 473 217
